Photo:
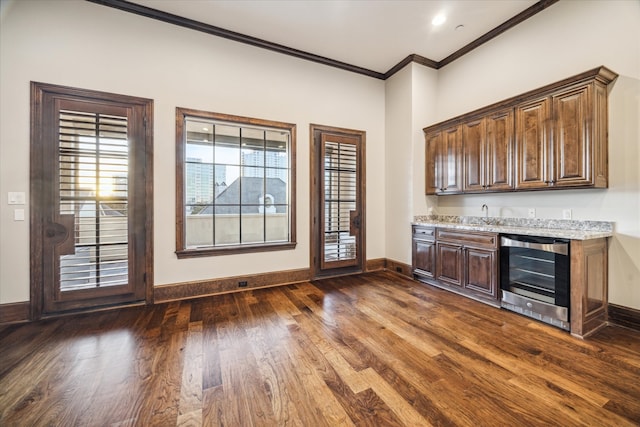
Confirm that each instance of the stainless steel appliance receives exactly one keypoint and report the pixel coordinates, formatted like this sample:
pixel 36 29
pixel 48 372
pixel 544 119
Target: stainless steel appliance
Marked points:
pixel 534 277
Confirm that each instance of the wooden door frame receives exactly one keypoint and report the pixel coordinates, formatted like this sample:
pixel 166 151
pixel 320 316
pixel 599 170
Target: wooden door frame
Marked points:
pixel 39 198
pixel 314 200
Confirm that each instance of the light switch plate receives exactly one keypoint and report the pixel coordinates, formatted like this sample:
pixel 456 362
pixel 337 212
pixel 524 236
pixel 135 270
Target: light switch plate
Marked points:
pixel 18 214
pixel 566 214
pixel 16 198
pixel 532 212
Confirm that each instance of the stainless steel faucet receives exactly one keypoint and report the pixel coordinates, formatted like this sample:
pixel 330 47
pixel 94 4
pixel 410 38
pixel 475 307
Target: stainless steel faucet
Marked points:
pixel 485 209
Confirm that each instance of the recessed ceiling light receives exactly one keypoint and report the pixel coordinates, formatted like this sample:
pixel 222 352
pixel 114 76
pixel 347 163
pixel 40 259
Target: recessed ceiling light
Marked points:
pixel 205 129
pixel 438 19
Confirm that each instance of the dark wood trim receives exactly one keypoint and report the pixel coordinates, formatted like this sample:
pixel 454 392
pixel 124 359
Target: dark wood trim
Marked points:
pixel 424 61
pixel 510 23
pixel 201 288
pixel 624 316
pixel 409 59
pixel 376 264
pixel 400 65
pixel 43 95
pixel 148 199
pixel 264 44
pixel 315 132
pixel 399 268
pixel 240 249
pixel 232 35
pixel 15 312
pixel 181 250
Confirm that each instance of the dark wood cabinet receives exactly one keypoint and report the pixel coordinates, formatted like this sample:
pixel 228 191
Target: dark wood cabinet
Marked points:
pixel 481 271
pixel 432 157
pixel 550 138
pixel 451 161
pixel 555 140
pixel 532 144
pixel 444 158
pixel 488 153
pixel 571 137
pixel 463 261
pixel 580 142
pixel 499 151
pixel 476 260
pixel 424 251
pixel 474 139
pixel 467 262
pixel 449 263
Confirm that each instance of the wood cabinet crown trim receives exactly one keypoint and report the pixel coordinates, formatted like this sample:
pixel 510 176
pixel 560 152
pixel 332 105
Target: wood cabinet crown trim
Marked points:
pixel 601 74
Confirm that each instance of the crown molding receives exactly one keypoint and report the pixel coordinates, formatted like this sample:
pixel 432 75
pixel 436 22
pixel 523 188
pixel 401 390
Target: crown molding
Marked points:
pixel 264 44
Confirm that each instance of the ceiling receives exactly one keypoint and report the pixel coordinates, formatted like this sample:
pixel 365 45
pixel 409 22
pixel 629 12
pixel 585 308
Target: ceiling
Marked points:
pixel 373 35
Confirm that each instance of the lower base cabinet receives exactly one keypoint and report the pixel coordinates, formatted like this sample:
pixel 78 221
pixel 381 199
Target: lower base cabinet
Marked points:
pixel 481 272
pixel 465 262
pixel 424 252
pixel 449 263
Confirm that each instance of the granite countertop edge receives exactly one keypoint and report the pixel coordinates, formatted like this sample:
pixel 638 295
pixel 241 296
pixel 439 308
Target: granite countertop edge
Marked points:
pixel 573 234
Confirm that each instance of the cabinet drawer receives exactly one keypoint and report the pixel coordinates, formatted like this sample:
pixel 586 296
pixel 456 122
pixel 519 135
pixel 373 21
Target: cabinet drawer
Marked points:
pixel 468 238
pixel 425 233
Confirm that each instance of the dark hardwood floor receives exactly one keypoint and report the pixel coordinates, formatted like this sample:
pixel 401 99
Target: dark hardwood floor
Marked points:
pixel 375 349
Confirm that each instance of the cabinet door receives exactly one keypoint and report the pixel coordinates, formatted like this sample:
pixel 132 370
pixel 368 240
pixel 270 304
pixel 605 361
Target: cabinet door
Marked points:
pixel 451 161
pixel 432 160
pixel 424 258
pixel 572 136
pixel 473 136
pixel 449 267
pixel 499 151
pixel 532 144
pixel 481 272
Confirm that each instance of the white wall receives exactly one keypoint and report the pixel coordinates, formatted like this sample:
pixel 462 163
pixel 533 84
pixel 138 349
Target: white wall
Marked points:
pixel 399 145
pixel 410 99
pixel 563 40
pixel 425 84
pixel 85 45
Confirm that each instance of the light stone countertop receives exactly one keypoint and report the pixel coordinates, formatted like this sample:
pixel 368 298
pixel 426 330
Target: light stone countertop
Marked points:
pixel 566 229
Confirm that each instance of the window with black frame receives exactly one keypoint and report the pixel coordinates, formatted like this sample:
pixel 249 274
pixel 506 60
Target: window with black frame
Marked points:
pixel 235 182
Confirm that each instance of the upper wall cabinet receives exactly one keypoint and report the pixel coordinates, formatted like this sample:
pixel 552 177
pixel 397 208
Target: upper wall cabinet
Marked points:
pixel 488 153
pixel 552 137
pixel 444 161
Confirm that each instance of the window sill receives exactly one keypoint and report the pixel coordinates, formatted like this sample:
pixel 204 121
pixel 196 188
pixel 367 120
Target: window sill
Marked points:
pixel 229 250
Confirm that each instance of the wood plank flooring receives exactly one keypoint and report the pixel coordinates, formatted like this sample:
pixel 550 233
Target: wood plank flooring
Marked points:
pixel 375 349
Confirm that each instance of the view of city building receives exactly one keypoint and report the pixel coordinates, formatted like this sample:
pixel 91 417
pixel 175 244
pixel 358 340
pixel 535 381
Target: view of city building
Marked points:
pixel 199 180
pixel 205 181
pixel 276 163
